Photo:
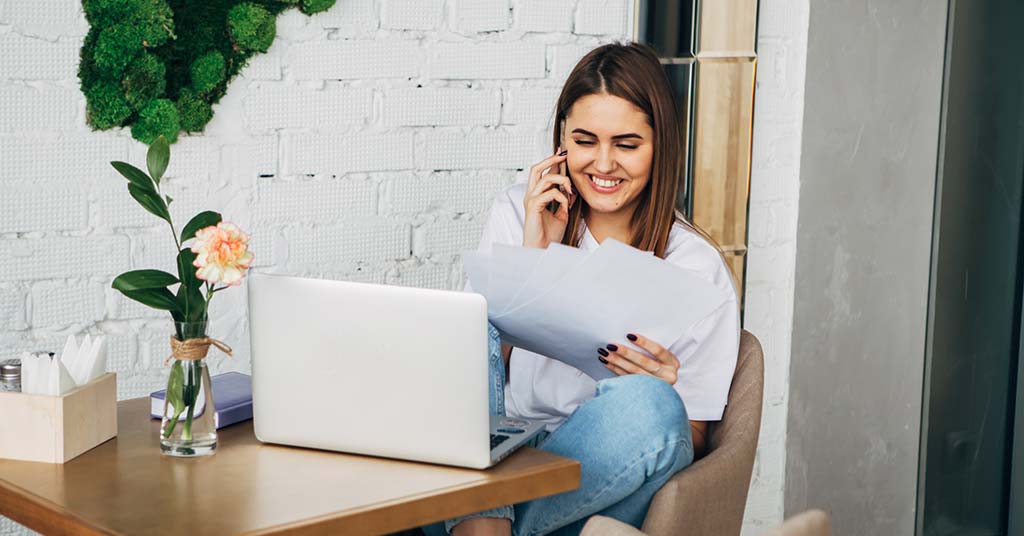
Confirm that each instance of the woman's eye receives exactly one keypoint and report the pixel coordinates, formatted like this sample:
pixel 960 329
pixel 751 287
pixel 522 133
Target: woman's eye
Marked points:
pixel 627 146
pixel 584 142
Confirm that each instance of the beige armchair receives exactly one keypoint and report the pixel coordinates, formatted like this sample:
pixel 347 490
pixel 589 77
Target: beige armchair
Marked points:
pixel 708 497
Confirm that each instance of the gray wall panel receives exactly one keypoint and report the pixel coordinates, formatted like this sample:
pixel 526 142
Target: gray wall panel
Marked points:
pixel 870 135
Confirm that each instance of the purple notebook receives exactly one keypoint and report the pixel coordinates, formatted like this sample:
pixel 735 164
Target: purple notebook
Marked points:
pixel 232 393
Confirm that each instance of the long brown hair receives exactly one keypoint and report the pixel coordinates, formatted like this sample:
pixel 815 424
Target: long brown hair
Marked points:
pixel 632 72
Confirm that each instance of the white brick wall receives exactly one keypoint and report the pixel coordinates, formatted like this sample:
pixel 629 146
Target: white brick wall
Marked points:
pixel 602 17
pixel 412 14
pixel 354 60
pixel 475 16
pixel 275 105
pixel 57 305
pixel 350 18
pixel 40 106
pixel 44 18
pixel 774 191
pixel 441 107
pixel 475 61
pixel 544 16
pixel 50 207
pixel 336 154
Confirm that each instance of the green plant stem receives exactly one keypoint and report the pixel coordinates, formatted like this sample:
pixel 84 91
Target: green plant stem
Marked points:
pixel 174 422
pixel 186 434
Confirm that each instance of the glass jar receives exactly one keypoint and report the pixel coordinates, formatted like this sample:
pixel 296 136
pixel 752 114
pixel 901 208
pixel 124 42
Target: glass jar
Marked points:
pixel 188 427
pixel 10 376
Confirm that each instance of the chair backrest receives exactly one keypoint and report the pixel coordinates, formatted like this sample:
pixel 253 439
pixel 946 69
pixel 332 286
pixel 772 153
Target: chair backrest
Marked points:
pixel 741 422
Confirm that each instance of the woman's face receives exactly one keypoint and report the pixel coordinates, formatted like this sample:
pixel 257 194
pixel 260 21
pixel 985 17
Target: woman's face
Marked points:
pixel 611 147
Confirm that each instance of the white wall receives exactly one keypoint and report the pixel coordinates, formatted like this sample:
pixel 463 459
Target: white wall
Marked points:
pixel 771 257
pixel 340 165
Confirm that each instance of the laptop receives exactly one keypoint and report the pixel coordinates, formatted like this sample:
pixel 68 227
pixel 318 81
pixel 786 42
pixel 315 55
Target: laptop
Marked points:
pixel 388 371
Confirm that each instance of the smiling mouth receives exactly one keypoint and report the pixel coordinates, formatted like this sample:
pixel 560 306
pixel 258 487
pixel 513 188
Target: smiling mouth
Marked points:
pixel 604 184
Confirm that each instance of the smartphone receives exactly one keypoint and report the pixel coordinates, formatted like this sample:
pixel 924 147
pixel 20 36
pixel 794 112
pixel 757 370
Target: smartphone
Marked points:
pixel 553 205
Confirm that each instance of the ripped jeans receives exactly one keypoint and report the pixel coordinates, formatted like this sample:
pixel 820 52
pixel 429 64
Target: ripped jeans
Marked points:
pixel 629 439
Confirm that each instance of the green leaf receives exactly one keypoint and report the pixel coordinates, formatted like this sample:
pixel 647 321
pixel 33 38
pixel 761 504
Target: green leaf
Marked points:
pixel 135 176
pixel 157 157
pixel 186 270
pixel 200 221
pixel 169 199
pixel 150 201
pixel 143 279
pixel 157 298
pixel 192 303
pixel 175 386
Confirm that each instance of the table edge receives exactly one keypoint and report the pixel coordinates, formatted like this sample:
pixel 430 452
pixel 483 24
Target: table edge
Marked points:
pixel 366 519
pixel 19 505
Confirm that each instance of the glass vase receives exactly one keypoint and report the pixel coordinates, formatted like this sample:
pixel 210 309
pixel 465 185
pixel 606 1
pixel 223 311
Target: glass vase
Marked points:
pixel 188 428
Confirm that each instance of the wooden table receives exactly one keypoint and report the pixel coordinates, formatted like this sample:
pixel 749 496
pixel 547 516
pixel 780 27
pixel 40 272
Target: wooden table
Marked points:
pixel 125 486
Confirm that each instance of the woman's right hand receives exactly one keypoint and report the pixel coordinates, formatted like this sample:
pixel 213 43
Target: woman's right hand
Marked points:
pixel 541 226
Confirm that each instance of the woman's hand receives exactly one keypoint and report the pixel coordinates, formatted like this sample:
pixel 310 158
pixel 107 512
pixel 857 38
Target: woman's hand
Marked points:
pixel 659 362
pixel 541 226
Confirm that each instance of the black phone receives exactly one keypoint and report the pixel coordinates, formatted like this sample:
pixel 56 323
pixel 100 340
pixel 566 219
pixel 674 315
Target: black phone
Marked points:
pixel 563 171
pixel 552 205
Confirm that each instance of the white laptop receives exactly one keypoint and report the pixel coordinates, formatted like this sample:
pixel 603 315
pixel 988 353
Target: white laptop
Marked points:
pixel 372 369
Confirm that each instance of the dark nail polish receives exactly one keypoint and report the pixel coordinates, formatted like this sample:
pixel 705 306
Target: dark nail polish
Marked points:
pixel 603 360
pixel 602 351
pixel 563 153
pixel 613 348
pixel 631 337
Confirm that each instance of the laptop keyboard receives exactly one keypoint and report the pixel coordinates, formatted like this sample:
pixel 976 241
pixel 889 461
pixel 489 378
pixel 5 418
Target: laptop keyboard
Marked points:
pixel 497 439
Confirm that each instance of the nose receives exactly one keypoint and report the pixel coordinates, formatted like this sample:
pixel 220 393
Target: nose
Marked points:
pixel 604 163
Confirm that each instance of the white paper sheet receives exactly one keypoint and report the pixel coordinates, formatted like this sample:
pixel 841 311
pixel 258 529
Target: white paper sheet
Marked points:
pixel 566 303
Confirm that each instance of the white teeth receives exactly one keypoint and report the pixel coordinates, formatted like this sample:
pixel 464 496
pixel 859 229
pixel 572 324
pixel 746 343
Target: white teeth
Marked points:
pixel 605 183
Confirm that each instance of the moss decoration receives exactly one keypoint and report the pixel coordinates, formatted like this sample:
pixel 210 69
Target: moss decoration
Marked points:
pixel 158 66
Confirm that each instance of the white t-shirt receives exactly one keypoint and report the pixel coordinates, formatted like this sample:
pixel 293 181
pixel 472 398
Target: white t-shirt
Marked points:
pixel 548 390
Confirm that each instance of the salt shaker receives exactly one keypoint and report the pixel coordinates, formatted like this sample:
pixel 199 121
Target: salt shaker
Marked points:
pixel 10 376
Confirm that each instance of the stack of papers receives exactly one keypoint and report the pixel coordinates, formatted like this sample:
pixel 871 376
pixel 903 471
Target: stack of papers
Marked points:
pixel 565 303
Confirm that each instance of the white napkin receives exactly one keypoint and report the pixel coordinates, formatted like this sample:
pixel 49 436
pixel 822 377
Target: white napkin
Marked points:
pixel 78 365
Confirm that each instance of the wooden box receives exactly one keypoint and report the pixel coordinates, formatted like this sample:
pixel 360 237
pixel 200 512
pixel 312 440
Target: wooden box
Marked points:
pixel 55 429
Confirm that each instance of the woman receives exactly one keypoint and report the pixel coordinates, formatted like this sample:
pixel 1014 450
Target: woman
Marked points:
pixel 614 174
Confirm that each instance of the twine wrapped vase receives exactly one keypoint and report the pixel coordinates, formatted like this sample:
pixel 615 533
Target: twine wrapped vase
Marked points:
pixel 189 427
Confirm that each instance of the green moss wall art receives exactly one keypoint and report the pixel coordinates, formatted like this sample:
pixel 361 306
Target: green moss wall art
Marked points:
pixel 159 65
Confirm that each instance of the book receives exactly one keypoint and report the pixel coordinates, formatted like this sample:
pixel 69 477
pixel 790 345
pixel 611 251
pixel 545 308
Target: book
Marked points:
pixel 232 393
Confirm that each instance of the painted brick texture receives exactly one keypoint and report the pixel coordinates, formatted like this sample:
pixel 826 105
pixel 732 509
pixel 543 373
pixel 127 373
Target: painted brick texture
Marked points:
pixel 774 192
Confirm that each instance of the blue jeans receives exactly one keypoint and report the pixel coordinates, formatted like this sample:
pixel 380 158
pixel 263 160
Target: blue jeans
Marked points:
pixel 629 439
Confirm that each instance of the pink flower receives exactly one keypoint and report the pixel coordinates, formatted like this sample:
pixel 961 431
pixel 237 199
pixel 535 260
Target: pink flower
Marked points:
pixel 223 254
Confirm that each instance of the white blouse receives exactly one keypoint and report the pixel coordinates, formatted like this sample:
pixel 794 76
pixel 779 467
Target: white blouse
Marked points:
pixel 548 390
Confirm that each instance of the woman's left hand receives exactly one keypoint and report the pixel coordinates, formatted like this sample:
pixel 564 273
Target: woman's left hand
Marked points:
pixel 621 360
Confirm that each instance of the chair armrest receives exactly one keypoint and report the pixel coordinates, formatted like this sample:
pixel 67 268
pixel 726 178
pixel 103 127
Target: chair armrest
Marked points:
pixel 706 498
pixel 606 526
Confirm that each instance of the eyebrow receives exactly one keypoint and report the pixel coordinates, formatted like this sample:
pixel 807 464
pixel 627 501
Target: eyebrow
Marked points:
pixel 616 137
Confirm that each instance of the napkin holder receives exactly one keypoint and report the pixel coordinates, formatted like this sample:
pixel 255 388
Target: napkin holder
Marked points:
pixel 56 429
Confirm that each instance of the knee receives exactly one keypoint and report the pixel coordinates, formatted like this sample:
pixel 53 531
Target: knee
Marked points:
pixel 647 406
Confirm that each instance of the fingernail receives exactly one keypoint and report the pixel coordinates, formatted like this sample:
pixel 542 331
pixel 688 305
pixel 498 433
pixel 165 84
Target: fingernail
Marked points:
pixel 563 153
pixel 631 337
pixel 602 351
pixel 603 360
pixel 613 348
